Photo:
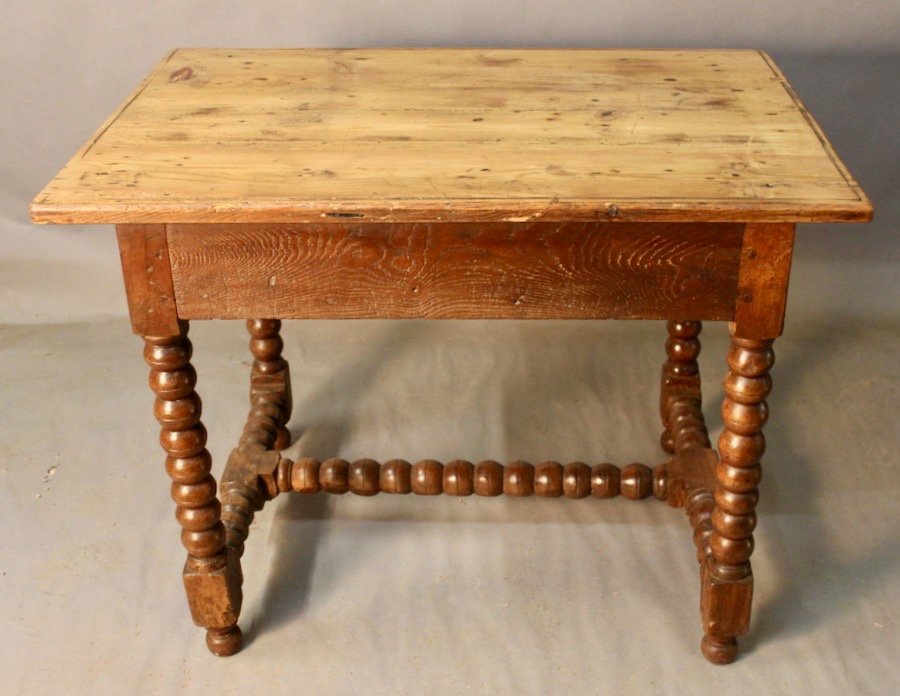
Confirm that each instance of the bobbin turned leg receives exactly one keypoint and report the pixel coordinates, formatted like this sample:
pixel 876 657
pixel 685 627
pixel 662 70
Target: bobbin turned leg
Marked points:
pixel 211 572
pixel 727 579
pixel 270 387
pixel 680 379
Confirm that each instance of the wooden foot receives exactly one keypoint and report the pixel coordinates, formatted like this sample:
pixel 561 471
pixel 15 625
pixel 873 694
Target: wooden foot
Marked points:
pixel 224 641
pixel 727 578
pixel 719 651
pixel 211 573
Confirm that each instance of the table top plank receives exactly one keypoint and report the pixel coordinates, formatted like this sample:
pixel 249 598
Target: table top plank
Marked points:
pixel 407 135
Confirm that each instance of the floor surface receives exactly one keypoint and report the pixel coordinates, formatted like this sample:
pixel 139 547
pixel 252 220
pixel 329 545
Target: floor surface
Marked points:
pixel 406 595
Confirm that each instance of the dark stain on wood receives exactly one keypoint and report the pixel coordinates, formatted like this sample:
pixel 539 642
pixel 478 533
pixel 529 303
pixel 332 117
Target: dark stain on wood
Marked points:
pixel 184 73
pixel 494 61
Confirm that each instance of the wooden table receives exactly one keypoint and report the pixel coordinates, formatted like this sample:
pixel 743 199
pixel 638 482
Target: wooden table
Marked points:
pixel 442 183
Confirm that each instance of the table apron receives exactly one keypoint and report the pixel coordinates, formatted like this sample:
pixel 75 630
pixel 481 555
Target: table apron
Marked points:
pixel 538 270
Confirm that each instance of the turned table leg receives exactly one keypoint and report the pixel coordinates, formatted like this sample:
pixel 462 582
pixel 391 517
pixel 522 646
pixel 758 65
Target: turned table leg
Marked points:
pixel 270 409
pixel 211 572
pixel 727 579
pixel 680 392
pixel 270 387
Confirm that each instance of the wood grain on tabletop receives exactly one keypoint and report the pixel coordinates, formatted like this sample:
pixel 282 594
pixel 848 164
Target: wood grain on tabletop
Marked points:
pixel 405 135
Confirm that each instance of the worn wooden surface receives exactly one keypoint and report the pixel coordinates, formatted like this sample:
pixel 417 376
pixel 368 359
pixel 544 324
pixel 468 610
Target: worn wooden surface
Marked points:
pixel 144 254
pixel 763 280
pixel 456 270
pixel 222 135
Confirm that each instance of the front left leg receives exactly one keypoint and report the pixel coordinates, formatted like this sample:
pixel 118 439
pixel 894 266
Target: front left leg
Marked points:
pixel 212 572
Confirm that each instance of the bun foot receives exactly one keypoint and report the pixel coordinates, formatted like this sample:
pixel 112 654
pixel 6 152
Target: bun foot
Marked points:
pixel 719 651
pixel 224 641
